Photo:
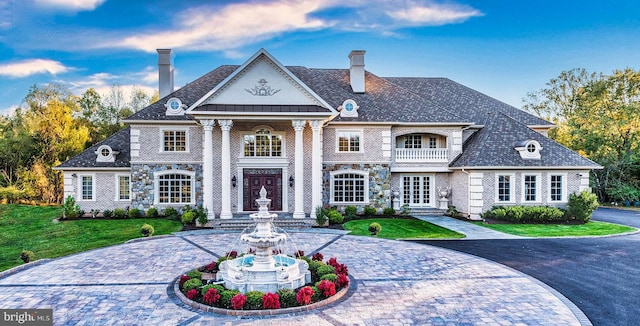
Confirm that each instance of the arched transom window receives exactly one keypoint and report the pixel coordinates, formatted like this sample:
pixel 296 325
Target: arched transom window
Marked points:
pixel 263 143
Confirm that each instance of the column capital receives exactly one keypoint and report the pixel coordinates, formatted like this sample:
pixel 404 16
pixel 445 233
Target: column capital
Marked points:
pixel 316 125
pixel 298 125
pixel 225 125
pixel 208 124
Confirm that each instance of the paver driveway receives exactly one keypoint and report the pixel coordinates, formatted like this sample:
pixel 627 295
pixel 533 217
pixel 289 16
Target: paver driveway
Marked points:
pixel 394 283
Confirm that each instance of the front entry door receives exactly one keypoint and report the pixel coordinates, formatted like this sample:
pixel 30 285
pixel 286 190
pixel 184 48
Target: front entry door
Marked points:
pixel 254 180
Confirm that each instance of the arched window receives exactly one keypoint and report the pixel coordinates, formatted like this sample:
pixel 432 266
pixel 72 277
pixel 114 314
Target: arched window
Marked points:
pixel 350 186
pixel 175 188
pixel 263 143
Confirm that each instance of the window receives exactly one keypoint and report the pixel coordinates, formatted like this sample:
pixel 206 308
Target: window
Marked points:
pixel 263 143
pixel 123 190
pixel 412 141
pixel 557 187
pixel 175 189
pixel 349 141
pixel 350 187
pixel 503 185
pixel 433 142
pixel 416 190
pixel 86 187
pixel 530 191
pixel 175 141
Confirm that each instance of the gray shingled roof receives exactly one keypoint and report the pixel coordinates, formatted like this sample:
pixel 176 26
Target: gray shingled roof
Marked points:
pixel 382 101
pixel 494 145
pixel 188 94
pixel 87 159
pixel 463 101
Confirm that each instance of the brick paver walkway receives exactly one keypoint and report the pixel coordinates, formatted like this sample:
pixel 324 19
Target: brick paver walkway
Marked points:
pixel 393 283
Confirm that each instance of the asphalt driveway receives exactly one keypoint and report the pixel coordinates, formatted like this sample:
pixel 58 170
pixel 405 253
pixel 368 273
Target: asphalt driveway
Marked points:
pixel 599 275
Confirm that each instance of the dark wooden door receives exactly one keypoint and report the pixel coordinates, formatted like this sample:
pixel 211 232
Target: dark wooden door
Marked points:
pixel 254 182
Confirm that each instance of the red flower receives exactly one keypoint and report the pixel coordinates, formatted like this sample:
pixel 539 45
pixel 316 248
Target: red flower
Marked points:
pixel 183 279
pixel 317 256
pixel 238 300
pixel 327 287
pixel 332 262
pixel 271 301
pixel 304 295
pixel 192 294
pixel 232 254
pixel 211 297
pixel 299 254
pixel 211 267
pixel 342 281
pixel 340 268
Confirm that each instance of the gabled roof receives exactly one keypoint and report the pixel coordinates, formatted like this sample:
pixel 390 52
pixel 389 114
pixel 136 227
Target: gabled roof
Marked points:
pixel 494 146
pixel 120 142
pixel 464 101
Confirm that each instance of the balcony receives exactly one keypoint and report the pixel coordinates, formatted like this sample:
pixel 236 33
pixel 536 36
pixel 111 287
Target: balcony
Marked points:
pixel 422 155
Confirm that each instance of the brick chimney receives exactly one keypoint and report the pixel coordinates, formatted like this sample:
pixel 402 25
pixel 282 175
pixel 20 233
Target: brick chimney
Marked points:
pixel 165 72
pixel 356 70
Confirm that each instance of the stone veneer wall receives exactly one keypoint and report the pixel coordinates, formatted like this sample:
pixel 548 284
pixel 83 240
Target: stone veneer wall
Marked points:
pixel 379 182
pixel 142 183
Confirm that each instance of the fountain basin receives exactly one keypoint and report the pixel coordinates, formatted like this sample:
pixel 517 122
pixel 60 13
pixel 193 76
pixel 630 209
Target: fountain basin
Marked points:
pixel 244 275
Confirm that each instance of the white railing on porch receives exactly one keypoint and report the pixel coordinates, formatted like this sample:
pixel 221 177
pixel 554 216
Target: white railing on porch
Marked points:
pixel 422 155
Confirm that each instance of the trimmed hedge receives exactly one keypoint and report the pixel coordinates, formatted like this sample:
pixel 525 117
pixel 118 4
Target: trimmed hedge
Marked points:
pixel 526 214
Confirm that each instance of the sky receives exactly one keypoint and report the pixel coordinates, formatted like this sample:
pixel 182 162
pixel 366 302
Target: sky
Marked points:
pixel 503 48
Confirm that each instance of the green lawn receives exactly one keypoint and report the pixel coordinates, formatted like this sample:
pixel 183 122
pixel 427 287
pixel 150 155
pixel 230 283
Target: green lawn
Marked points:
pixel 591 228
pixel 31 228
pixel 400 228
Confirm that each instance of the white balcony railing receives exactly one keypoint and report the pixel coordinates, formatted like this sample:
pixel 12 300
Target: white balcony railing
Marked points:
pixel 416 155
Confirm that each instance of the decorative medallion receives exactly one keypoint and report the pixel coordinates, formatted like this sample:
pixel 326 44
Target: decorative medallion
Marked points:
pixel 262 89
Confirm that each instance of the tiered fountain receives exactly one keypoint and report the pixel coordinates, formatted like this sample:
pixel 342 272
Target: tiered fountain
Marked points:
pixel 263 271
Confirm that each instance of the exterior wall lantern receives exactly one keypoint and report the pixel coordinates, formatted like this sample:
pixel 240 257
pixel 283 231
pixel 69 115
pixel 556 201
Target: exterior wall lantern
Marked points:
pixel 291 181
pixel 234 181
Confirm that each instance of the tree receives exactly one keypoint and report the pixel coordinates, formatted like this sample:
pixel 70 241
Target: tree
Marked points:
pixel 599 117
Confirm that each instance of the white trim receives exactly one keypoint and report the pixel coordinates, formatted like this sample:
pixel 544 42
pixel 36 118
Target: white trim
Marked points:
pixel 165 162
pixel 117 184
pixel 539 168
pixel 539 184
pixel 71 169
pixel 360 132
pixel 365 175
pixel 160 122
pixel 563 189
pixel 110 157
pixel 245 66
pixel 512 188
pixel 419 169
pixel 187 140
pixel 156 187
pixel 80 189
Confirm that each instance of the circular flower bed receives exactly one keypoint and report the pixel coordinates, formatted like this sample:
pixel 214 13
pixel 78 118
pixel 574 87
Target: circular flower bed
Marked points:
pixel 330 281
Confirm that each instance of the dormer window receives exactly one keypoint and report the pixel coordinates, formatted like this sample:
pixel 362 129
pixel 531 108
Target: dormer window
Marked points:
pixel 349 108
pixel 174 106
pixel 529 149
pixel 106 154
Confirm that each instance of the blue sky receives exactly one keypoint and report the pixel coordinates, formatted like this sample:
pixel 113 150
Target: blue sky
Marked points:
pixel 503 48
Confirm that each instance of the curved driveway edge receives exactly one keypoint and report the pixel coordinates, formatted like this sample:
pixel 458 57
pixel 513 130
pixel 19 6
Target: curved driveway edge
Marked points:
pixel 395 283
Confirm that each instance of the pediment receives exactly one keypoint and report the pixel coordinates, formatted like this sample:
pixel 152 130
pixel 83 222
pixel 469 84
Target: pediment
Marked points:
pixel 261 81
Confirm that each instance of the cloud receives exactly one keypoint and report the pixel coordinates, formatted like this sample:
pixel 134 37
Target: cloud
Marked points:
pixel 231 26
pixel 434 14
pixel 228 27
pixel 30 67
pixel 74 5
pixel 8 111
pixel 103 82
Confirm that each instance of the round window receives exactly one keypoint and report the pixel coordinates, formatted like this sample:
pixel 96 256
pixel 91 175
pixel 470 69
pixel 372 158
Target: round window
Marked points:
pixel 348 107
pixel 531 148
pixel 105 152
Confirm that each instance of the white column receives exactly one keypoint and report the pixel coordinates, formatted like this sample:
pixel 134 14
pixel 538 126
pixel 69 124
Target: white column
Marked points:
pixel 298 126
pixel 225 189
pixel 207 167
pixel 316 166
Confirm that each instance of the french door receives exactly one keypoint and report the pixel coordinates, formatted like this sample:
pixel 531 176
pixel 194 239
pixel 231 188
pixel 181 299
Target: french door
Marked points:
pixel 417 190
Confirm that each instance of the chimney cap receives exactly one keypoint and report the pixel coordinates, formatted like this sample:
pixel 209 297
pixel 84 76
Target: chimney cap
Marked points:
pixel 356 52
pixel 165 56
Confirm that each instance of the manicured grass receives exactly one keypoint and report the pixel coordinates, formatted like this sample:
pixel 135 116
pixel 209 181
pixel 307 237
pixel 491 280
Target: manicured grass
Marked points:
pixel 31 228
pixel 401 228
pixel 591 228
